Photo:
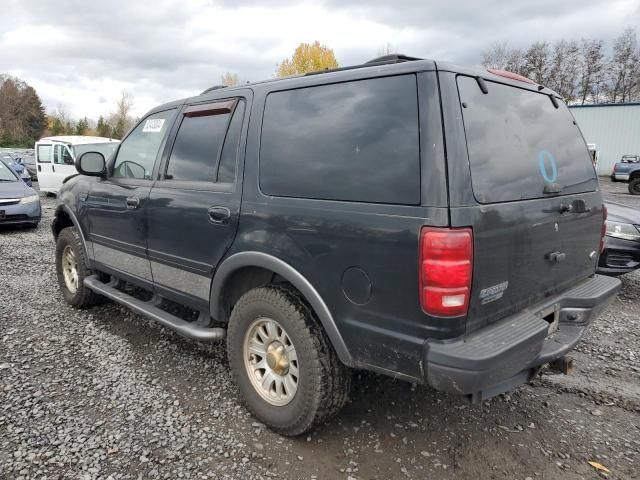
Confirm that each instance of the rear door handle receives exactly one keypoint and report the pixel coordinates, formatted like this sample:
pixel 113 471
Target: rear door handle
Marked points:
pixel 133 203
pixel 219 214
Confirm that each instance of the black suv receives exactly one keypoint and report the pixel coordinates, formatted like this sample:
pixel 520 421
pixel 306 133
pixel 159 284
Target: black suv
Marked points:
pixel 433 223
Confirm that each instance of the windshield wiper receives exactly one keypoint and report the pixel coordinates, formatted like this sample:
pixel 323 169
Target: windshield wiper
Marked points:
pixel 5 180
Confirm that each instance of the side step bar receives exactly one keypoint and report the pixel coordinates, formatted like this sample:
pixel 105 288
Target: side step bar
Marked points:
pixel 180 326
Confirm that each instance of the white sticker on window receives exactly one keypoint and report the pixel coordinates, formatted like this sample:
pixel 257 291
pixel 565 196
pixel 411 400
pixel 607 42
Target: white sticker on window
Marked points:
pixel 153 125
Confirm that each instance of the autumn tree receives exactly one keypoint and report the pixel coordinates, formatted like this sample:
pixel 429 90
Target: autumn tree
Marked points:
pixel 308 57
pixel 592 70
pixel 229 79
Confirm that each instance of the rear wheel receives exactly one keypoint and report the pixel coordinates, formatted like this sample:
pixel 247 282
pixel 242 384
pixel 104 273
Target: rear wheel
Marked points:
pixel 634 186
pixel 282 361
pixel 72 268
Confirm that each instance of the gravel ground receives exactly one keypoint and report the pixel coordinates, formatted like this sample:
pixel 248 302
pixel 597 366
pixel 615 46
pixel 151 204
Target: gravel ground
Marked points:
pixel 104 393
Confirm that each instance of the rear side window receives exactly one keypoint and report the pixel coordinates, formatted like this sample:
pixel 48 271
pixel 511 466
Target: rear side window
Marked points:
pixel 353 141
pixel 521 145
pixel 44 153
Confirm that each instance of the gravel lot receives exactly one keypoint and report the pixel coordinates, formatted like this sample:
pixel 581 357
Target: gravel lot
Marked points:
pixel 105 393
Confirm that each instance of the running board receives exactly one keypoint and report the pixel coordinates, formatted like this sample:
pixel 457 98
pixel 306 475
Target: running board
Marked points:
pixel 182 327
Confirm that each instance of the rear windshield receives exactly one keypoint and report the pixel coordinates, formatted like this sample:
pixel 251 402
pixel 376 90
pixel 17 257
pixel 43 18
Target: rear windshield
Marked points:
pixel 521 146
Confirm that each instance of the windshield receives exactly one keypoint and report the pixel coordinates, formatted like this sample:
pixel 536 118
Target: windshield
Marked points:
pixel 520 146
pixel 6 175
pixel 106 149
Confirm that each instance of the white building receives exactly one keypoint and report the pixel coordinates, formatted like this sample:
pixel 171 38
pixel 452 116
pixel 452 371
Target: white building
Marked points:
pixel 613 128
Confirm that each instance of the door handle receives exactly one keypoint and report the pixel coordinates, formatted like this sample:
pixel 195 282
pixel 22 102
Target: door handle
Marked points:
pixel 39 168
pixel 219 214
pixel 53 168
pixel 133 202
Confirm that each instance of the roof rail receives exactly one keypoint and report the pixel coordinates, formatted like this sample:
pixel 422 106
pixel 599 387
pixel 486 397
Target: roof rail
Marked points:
pixel 384 60
pixel 391 58
pixel 215 87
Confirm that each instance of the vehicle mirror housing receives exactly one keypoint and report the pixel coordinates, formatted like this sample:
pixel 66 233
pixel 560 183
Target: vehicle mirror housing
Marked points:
pixel 92 164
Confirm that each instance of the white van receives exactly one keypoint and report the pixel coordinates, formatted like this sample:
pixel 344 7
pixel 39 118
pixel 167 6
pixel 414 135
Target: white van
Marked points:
pixel 56 156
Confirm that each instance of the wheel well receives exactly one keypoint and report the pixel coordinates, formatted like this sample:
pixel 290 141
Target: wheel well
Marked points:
pixel 62 220
pixel 635 175
pixel 240 282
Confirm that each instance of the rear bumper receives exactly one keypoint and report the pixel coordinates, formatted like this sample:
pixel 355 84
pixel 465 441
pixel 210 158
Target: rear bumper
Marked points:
pixel 506 354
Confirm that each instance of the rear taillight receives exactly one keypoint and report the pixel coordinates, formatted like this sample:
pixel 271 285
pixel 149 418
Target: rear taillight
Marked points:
pixel 446 265
pixel 603 230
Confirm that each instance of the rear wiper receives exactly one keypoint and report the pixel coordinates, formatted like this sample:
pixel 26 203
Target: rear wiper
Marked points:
pixel 5 180
pixel 551 188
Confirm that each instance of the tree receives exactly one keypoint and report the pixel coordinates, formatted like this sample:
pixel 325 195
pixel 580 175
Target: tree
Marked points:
pixel 591 71
pixel 624 68
pixel 563 69
pixel 500 56
pixel 229 79
pixel 537 62
pixel 308 57
pixel 22 117
pixel 121 121
pixel 102 128
pixel 82 126
pixel 386 49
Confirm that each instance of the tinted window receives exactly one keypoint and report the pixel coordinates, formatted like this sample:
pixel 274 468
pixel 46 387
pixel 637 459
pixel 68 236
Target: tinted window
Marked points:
pixel 138 151
pixel 229 157
pixel 519 143
pixel 353 141
pixel 106 148
pixel 197 148
pixel 44 153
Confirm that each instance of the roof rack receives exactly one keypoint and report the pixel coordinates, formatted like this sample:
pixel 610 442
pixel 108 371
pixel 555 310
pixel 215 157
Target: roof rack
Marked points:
pixel 384 60
pixel 215 87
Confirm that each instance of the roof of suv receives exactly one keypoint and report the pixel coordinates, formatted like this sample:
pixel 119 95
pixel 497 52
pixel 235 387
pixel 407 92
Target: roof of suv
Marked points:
pixel 387 65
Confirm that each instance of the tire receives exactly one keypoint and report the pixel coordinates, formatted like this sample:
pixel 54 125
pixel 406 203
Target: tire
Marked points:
pixel 82 297
pixel 323 382
pixel 634 186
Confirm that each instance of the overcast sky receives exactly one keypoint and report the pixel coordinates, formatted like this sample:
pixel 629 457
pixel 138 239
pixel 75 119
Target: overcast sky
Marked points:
pixel 81 53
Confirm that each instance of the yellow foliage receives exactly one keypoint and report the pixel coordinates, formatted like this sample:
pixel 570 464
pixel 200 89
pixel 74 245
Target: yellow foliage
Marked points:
pixel 308 57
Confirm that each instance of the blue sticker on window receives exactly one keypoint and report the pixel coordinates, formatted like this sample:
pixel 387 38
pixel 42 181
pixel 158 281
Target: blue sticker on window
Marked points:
pixel 545 157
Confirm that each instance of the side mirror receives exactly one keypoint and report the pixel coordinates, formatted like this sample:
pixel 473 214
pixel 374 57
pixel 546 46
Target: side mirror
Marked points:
pixel 92 164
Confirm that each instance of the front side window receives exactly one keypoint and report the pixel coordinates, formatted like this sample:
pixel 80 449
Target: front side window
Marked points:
pixel 353 141
pixel 138 152
pixel 61 155
pixel 206 145
pixel 44 153
pixel 106 148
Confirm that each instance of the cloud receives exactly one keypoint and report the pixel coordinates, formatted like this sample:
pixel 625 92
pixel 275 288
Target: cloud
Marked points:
pixel 81 54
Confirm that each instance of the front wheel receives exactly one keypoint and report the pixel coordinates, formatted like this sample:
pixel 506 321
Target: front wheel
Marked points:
pixel 72 268
pixel 282 361
pixel 634 186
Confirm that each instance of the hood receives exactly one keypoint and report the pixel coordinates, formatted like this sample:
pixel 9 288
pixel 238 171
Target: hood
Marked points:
pixel 623 214
pixel 17 189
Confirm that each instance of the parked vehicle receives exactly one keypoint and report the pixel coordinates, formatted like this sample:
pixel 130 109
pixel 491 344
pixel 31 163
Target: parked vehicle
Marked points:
pixel 55 157
pixel 622 242
pixel 19 203
pixel 29 162
pixel 317 223
pixel 17 166
pixel 628 170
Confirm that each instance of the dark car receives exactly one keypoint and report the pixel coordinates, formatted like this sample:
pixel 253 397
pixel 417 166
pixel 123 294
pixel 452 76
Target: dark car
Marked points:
pixel 19 203
pixel 29 162
pixel 426 221
pixel 622 243
pixel 16 165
